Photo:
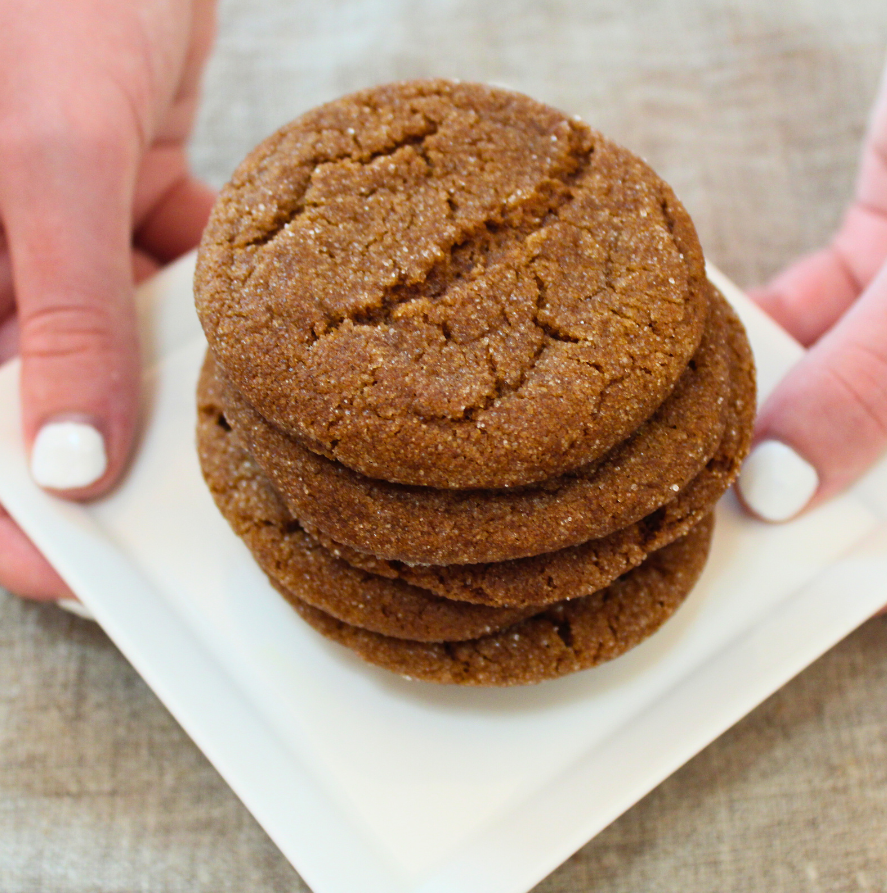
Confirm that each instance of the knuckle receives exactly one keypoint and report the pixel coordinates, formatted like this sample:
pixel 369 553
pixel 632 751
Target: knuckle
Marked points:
pixel 64 328
pixel 861 377
pixel 97 135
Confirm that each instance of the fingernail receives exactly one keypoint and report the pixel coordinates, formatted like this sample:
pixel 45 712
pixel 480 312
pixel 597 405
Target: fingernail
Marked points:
pixel 775 482
pixel 68 455
pixel 75 607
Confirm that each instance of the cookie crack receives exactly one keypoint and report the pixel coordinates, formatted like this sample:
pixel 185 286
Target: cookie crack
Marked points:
pixel 489 243
pixel 297 205
pixel 502 386
pixel 481 247
pixel 550 331
pixel 613 626
pixel 667 215
pixel 563 629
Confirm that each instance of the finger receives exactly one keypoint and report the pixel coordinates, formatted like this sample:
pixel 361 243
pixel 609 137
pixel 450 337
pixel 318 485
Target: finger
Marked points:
pixel 23 570
pixel 862 238
pixel 8 322
pixel 66 199
pixel 826 423
pixel 811 295
pixel 203 31
pixel 144 266
pixel 9 339
pixel 7 294
pixel 871 183
pixel 807 297
pixel 175 222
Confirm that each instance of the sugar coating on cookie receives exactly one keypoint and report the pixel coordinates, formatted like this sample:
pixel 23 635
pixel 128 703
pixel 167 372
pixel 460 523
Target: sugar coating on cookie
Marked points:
pixel 450 285
pixel 469 399
pixel 302 568
pixel 570 572
pixel 303 561
pixel 569 636
pixel 424 525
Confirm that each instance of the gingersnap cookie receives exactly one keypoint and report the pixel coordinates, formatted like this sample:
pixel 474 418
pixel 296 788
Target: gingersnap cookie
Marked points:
pixel 577 570
pixel 423 525
pixel 530 582
pixel 301 566
pixel 450 285
pixel 565 638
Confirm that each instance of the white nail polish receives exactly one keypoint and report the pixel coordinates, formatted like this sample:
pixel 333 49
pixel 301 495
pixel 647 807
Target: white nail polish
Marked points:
pixel 75 607
pixel 775 482
pixel 68 455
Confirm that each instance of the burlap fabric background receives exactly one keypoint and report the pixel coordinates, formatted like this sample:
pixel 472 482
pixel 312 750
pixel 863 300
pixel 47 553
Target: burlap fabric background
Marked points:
pixel 754 111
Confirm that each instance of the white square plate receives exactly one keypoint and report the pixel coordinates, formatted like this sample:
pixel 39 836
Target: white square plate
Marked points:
pixel 369 782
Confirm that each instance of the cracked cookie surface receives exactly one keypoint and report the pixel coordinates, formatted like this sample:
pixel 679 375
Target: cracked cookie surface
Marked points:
pixel 422 525
pixel 450 285
pixel 530 582
pixel 589 566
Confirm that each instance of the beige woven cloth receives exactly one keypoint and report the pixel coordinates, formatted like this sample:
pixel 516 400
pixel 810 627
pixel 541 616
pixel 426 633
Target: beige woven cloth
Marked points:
pixel 754 111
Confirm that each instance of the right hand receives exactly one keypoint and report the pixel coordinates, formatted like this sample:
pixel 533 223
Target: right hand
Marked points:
pixel 826 423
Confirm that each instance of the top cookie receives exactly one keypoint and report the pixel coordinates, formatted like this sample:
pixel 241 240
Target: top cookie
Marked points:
pixel 450 285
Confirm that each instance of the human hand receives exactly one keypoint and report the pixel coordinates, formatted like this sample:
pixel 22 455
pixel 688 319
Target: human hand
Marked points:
pixel 826 423
pixel 96 103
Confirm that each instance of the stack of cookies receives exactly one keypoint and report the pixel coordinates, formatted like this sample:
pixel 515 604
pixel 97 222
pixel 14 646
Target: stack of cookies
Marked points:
pixel 469 398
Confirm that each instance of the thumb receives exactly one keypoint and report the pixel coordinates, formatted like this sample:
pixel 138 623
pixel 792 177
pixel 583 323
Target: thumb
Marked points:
pixel 826 423
pixel 65 198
